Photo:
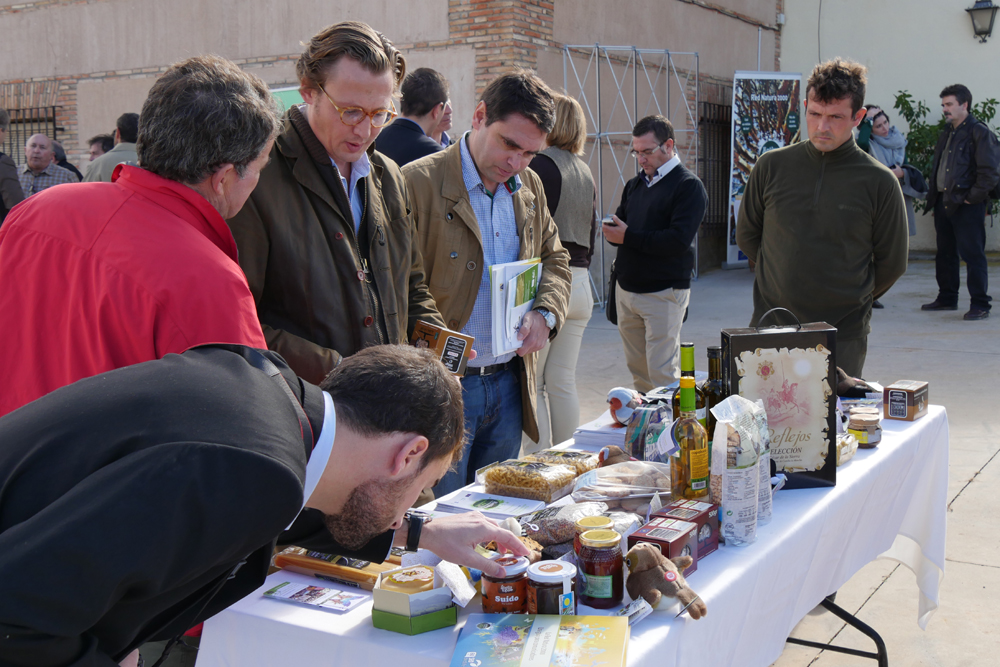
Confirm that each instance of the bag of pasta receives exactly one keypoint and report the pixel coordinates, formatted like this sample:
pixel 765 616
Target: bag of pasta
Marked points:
pixel 529 479
pixel 734 478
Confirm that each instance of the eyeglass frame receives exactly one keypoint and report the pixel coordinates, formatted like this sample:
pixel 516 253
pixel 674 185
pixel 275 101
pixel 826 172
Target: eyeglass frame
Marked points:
pixel 369 114
pixel 648 152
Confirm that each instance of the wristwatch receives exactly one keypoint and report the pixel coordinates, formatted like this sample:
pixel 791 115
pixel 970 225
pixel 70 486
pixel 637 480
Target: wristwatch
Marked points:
pixel 550 319
pixel 416 520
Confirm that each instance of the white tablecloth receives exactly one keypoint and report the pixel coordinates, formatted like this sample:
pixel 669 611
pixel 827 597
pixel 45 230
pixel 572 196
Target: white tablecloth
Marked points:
pixel 889 502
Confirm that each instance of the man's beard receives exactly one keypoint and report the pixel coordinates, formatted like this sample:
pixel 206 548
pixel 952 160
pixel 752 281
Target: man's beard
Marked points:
pixel 369 511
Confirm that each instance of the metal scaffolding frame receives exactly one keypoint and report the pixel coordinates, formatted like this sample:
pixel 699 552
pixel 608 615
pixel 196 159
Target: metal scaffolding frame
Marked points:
pixel 653 68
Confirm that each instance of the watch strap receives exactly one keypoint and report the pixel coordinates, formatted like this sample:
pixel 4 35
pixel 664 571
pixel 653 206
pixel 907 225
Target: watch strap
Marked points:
pixel 415 526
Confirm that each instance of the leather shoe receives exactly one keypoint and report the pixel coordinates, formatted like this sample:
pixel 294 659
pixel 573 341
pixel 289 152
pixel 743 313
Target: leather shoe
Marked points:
pixel 877 304
pixel 937 304
pixel 976 314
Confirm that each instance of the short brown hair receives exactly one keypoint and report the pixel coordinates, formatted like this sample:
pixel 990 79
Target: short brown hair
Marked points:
pixel 521 92
pixel 836 79
pixel 400 389
pixel 570 129
pixel 660 126
pixel 354 39
pixel 423 89
pixel 205 112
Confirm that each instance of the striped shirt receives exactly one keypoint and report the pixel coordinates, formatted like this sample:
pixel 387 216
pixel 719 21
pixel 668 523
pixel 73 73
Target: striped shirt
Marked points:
pixel 495 214
pixel 51 175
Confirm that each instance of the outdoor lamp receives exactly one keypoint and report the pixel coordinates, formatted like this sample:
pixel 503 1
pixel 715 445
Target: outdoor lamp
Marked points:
pixel 983 13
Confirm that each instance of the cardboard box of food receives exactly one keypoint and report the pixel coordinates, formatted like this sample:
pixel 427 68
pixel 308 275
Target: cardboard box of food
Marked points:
pixel 412 604
pixel 673 536
pixel 906 400
pixel 703 514
pixel 414 625
pixel 451 347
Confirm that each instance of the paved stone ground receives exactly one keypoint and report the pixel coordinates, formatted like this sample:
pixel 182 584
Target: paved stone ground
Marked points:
pixel 961 360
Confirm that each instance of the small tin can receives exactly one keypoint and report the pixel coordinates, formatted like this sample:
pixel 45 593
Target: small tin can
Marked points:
pixel 598 522
pixel 552 588
pixel 508 594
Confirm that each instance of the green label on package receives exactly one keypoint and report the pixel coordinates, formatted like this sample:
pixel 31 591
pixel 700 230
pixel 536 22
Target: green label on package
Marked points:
pixel 597 586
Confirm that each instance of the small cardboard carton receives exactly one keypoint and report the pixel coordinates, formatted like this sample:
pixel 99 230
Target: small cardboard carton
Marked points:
pixel 414 625
pixel 673 537
pixel 413 604
pixel 702 514
pixel 451 347
pixel 906 400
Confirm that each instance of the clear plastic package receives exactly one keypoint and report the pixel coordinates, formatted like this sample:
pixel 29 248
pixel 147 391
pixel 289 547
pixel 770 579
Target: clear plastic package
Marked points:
pixel 529 479
pixel 628 486
pixel 555 525
pixel 582 461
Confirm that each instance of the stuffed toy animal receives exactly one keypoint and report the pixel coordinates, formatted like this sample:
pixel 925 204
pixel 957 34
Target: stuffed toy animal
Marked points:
pixel 653 576
pixel 612 454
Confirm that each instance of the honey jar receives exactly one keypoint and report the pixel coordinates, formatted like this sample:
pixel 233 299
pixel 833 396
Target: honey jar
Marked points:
pixel 552 588
pixel 507 594
pixel 600 580
pixel 590 523
pixel 866 428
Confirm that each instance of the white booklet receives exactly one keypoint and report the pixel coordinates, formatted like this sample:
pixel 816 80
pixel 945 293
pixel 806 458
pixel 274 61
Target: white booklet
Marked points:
pixel 495 507
pixel 513 287
pixel 330 599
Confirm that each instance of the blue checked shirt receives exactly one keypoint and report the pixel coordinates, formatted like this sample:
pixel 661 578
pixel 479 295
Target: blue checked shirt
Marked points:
pixel 495 214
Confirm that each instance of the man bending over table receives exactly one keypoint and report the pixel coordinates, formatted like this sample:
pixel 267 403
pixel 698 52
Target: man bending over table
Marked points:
pixel 100 481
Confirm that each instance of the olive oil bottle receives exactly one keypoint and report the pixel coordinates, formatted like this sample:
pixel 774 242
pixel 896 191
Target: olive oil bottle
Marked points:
pixel 691 462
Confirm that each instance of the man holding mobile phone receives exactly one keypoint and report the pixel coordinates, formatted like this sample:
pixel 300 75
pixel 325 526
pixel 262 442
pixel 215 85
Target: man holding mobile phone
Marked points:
pixel 653 229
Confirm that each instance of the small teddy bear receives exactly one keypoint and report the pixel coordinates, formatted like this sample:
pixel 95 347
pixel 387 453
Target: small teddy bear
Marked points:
pixel 653 576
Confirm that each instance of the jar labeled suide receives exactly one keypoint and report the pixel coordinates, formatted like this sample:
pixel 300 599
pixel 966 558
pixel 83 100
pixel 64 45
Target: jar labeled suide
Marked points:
pixel 507 594
pixel 600 580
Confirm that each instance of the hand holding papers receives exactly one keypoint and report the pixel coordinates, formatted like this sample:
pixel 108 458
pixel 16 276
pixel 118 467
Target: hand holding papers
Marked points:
pixel 513 287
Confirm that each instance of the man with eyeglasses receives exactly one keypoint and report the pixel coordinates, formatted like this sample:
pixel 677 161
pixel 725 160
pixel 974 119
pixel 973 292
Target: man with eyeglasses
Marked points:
pixel 653 229
pixel 326 239
pixel 424 104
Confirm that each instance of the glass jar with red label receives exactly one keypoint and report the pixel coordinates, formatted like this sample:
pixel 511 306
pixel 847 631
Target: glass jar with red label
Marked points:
pixel 507 594
pixel 600 576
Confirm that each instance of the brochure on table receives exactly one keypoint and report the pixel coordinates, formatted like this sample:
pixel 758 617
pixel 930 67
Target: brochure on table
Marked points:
pixel 513 287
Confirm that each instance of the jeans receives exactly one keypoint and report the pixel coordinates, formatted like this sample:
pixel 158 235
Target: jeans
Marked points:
pixel 556 370
pixel 962 234
pixel 492 425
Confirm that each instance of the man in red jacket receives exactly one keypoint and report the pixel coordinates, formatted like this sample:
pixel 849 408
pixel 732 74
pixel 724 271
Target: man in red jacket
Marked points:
pixel 98 276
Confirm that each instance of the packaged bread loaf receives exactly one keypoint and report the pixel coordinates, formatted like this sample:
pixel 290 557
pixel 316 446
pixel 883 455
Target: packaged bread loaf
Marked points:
pixel 734 478
pixel 529 479
pixel 581 461
pixel 628 486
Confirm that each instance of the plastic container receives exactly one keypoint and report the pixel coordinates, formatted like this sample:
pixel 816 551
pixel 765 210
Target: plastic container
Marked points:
pixel 509 594
pixel 529 479
pixel 552 588
pixel 600 578
pixel 581 461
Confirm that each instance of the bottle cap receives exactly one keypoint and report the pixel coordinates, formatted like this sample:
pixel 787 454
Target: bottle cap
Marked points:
pixel 512 565
pixel 687 382
pixel 714 352
pixel 600 538
pixel 593 523
pixel 551 571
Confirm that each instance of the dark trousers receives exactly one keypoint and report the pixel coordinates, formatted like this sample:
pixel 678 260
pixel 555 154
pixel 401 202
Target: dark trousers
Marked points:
pixel 961 235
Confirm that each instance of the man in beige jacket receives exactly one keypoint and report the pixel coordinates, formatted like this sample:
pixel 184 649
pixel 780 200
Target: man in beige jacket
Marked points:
pixel 476 204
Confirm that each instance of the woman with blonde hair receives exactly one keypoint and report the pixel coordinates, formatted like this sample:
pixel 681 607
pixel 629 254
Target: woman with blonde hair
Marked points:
pixel 571 197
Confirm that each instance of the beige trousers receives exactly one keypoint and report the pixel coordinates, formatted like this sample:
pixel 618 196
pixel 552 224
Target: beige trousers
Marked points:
pixel 556 374
pixel 650 327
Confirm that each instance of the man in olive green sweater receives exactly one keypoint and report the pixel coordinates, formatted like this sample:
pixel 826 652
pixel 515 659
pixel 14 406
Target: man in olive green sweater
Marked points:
pixel 824 223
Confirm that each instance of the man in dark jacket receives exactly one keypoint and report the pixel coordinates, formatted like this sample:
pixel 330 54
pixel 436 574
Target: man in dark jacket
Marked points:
pixel 10 187
pixel 654 227
pixel 142 501
pixel 425 100
pixel 966 167
pixel 326 239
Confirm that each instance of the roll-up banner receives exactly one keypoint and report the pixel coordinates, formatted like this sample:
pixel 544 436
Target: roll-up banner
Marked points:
pixel 765 116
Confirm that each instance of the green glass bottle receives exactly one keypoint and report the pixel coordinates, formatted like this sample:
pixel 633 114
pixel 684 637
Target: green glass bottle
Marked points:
pixel 690 465
pixel 713 389
pixel 687 370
